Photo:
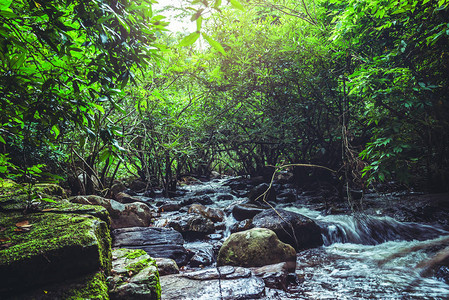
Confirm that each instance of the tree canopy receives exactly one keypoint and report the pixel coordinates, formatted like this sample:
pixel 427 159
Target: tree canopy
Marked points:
pixel 101 88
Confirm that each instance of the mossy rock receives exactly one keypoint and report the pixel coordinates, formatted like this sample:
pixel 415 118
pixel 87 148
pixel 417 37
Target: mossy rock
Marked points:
pixel 134 275
pixel 255 248
pixel 46 247
pixel 92 286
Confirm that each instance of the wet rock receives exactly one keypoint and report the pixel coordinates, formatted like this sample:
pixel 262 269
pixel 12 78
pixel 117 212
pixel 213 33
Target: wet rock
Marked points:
pixel 234 284
pixel 239 193
pixel 246 211
pixel 213 214
pixel 134 275
pixel 205 192
pixel 166 266
pixel 157 242
pixel 224 197
pixel 165 206
pixel 192 225
pixel 256 193
pixel 242 225
pixel 286 196
pixel 223 272
pixel 204 200
pixel 237 183
pixel 203 254
pixel 294 229
pixel 125 198
pixel 255 248
pixel 122 215
pixel 274 276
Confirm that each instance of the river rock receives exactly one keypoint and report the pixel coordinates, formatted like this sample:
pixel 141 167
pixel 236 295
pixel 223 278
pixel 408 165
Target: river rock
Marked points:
pixel 223 197
pixel 294 229
pixel 135 214
pixel 246 211
pixel 168 206
pixel 286 196
pixel 192 225
pixel 242 225
pixel 125 198
pixel 203 254
pixel 166 266
pixel 157 242
pixel 213 214
pixel 255 194
pixel 255 248
pixel 274 276
pixel 204 199
pixel 134 275
pixel 234 283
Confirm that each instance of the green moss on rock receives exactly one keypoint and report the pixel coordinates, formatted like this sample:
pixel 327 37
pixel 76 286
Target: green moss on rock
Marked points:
pixel 52 247
pixel 134 276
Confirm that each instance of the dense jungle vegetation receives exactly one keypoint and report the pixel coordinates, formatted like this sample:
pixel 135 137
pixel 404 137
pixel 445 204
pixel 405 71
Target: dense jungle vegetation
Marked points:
pixel 95 90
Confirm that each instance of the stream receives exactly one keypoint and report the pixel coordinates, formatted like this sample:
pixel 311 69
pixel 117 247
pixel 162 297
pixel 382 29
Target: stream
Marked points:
pixel 363 257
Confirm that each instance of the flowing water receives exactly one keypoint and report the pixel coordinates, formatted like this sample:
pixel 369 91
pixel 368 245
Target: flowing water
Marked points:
pixel 364 257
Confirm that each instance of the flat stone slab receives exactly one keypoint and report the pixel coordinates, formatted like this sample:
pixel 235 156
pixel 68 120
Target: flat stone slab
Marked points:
pixel 234 283
pixel 156 241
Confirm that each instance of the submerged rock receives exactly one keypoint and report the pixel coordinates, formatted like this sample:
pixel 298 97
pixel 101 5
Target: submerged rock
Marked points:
pixel 134 275
pixel 234 283
pixel 157 242
pixel 291 228
pixel 255 248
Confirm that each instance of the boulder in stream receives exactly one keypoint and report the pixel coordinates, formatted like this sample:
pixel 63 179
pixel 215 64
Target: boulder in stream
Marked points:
pixel 256 193
pixel 255 248
pixel 291 228
pixel 157 242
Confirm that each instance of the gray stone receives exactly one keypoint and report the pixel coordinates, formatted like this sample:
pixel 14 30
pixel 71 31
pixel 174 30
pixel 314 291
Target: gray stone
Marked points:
pixel 291 228
pixel 157 242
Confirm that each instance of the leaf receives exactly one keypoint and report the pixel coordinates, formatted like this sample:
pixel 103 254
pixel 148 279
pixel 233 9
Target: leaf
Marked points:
pixel 190 39
pixel 4 4
pixel 55 131
pixel 5 239
pixel 23 224
pixel 216 45
pixel 236 4
pixel 199 22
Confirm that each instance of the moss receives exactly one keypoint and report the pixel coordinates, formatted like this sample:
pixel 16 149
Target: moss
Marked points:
pixel 95 288
pixel 134 253
pixel 138 266
pixel 53 239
